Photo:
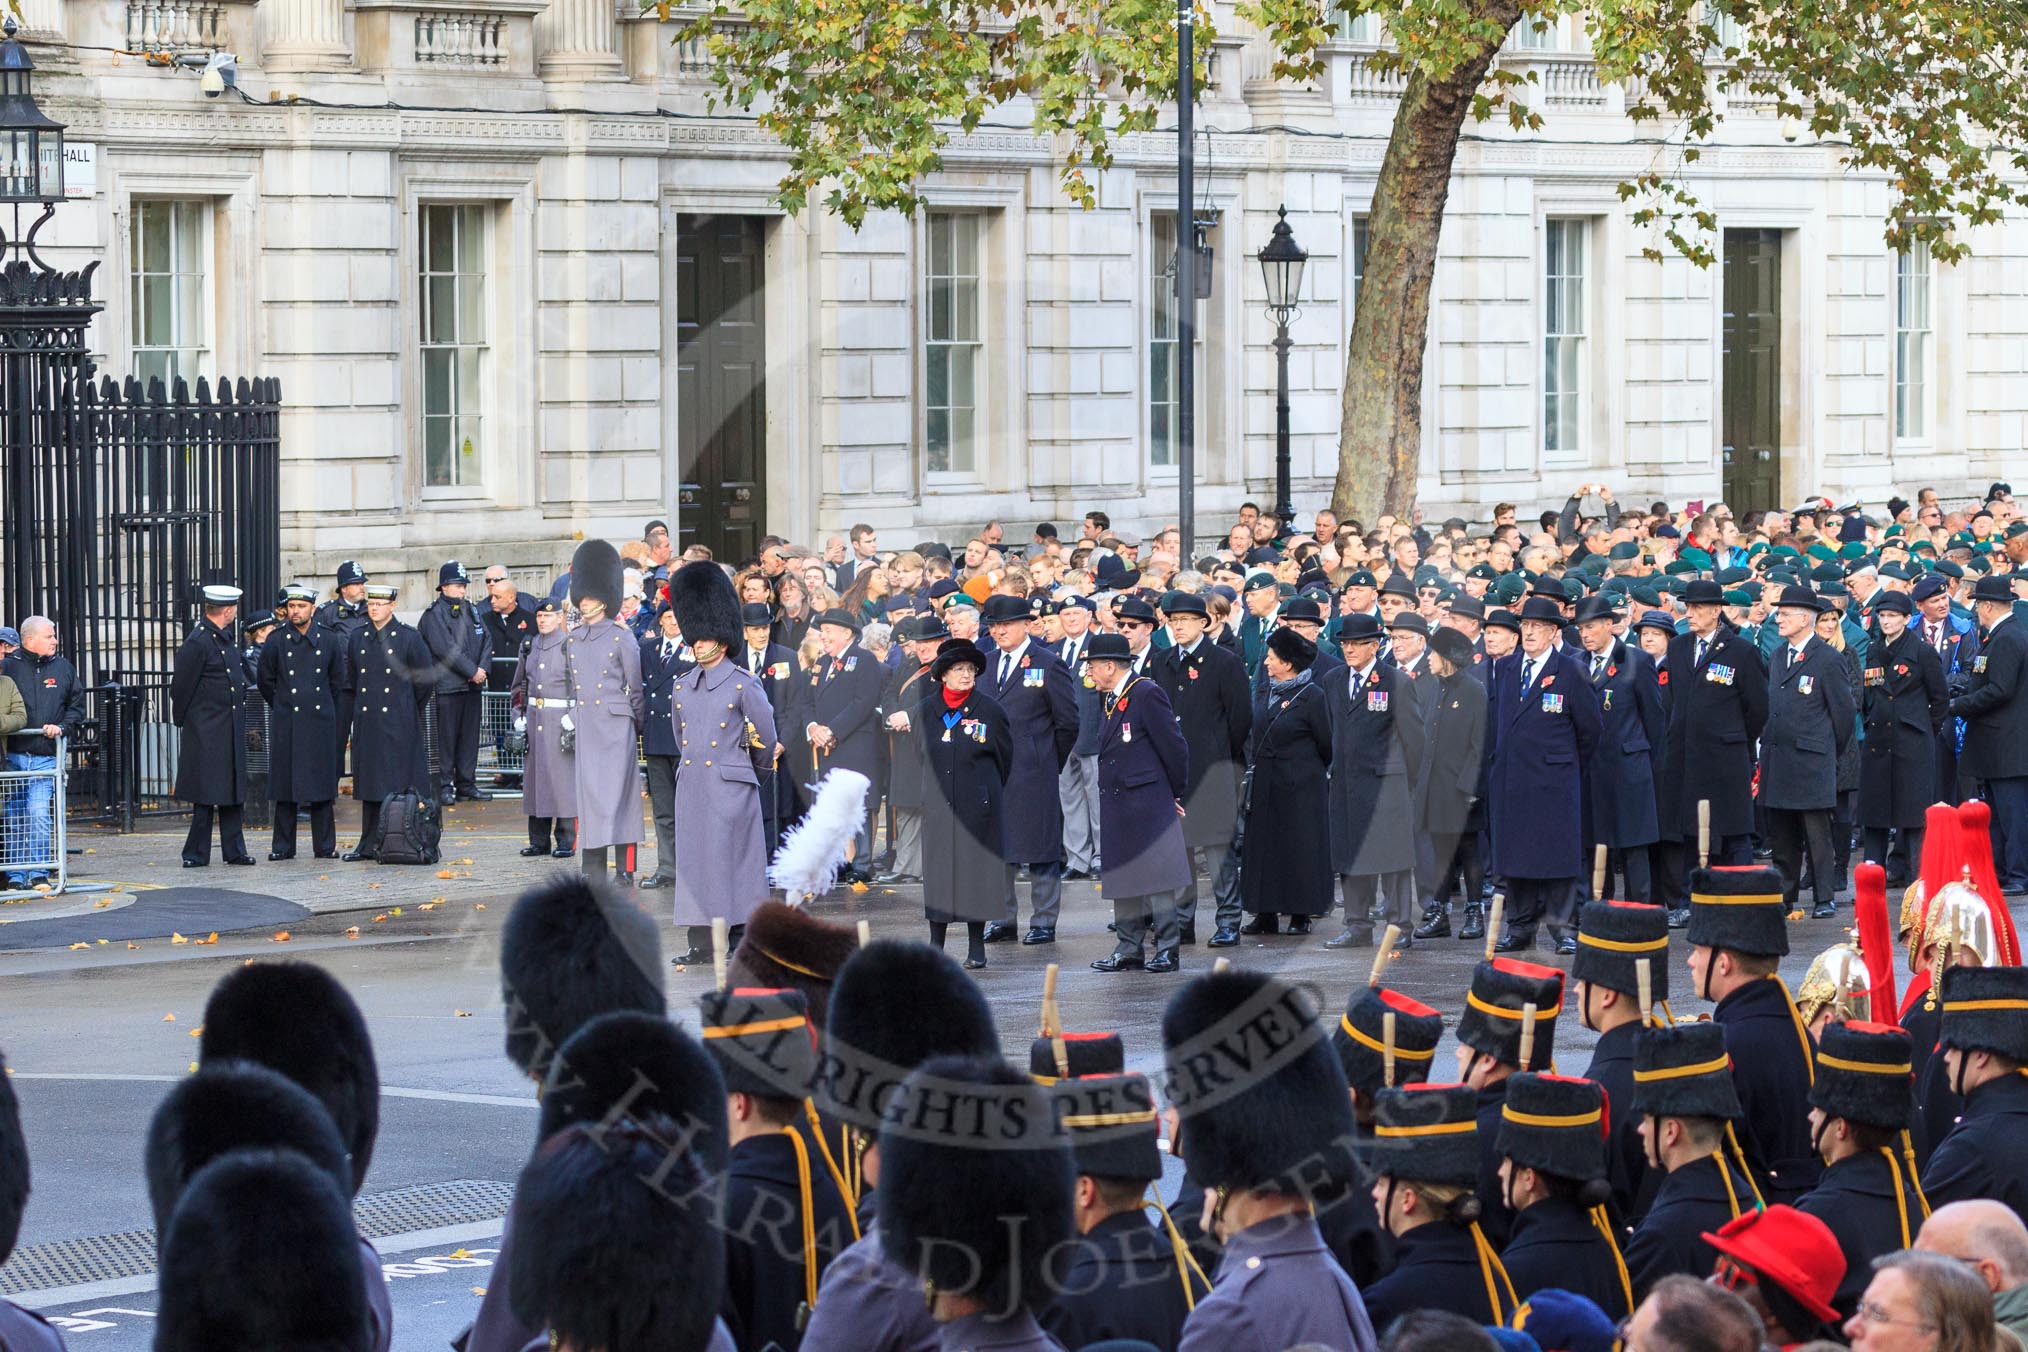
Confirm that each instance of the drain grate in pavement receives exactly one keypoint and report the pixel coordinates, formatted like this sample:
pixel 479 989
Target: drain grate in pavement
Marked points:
pixel 131 1253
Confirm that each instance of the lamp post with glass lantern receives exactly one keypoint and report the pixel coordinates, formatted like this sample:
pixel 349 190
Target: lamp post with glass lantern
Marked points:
pixel 1281 264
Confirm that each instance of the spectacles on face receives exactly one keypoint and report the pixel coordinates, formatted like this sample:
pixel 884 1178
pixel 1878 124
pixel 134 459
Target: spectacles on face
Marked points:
pixel 1871 1312
pixel 1135 624
pixel 495 581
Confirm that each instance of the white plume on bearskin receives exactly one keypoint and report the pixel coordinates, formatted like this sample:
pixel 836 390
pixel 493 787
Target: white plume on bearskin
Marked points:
pixel 815 848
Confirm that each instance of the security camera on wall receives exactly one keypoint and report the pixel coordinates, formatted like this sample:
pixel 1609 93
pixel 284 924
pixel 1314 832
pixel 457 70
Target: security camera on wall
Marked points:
pixel 221 73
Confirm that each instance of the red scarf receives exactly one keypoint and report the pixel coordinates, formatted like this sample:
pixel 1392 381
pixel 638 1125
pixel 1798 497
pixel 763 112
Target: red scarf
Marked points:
pixel 954 698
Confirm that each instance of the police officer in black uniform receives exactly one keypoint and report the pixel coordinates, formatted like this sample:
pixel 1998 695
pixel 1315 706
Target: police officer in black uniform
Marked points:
pixel 208 694
pixel 776 668
pixel 344 613
pixel 302 669
pixel 392 673
pixel 458 640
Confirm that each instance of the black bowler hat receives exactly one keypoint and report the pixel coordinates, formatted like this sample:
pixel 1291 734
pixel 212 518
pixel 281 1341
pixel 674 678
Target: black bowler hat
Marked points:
pixel 1302 608
pixel 1114 1126
pixel 1864 1074
pixel 1397 585
pixel 1703 592
pixel 1467 606
pixel 1358 627
pixel 1184 603
pixel 1427 1133
pixel 1109 648
pixel 1993 587
pixel 1002 609
pixel 350 572
pixel 1491 1023
pixel 1543 609
pixel 930 628
pixel 1739 907
pixel 840 616
pixel 1554 1124
pixel 755 614
pixel 1683 1071
pixel 1613 936
pixel 1360 1039
pixel 761 1040
pixel 1983 1009
pixel 1074 1054
pixel 1503 619
pixel 1412 621
pixel 1598 607
pixel 954 652
pixel 1802 598
pixel 1133 608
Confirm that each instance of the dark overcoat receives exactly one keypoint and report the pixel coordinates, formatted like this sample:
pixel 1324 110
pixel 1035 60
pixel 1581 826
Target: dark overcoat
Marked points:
pixel 1716 712
pixel 1120 1280
pixel 1208 689
pixel 458 640
pixel 1697 1198
pixel 843 694
pixel 1771 1068
pixel 1451 784
pixel 300 677
pixel 1555 1245
pixel 965 753
pixel 782 684
pixel 1436 1267
pixel 1542 738
pixel 1809 722
pixel 660 667
pixel 1986 1154
pixel 1041 709
pixel 208 694
pixel 1376 753
pixel 907 684
pixel 1286 866
pixel 1855 1197
pixel 1621 774
pixel 392 674
pixel 1957 653
pixel 1905 703
pixel 1995 706
pixel 764 1255
pixel 1143 770
pixel 1627 1169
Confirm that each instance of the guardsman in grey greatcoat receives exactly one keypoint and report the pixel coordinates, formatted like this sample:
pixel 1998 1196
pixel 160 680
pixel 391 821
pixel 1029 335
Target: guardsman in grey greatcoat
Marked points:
pixel 725 737
pixel 541 698
pixel 392 673
pixel 603 659
pixel 302 669
pixel 208 694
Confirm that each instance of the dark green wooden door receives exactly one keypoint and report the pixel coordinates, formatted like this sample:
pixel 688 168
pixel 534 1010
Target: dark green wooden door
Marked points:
pixel 721 384
pixel 1752 412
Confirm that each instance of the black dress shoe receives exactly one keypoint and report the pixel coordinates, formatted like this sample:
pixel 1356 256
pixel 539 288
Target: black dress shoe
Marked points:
pixel 691 957
pixel 1120 962
pixel 244 861
pixel 623 880
pixel 1825 910
pixel 1515 942
pixel 1300 924
pixel 1679 917
pixel 1188 936
pixel 656 883
pixel 530 851
pixel 1351 938
pixel 1076 875
pixel 1404 943
pixel 1475 922
pixel 1566 947
pixel 1039 935
pixel 1437 926
pixel 197 863
pixel 561 854
pixel 273 856
pixel 1165 961
pixel 974 964
pixel 477 796
pixel 447 795
pixel 1225 936
pixel 895 879
pixel 327 854
pixel 356 856
pixel 1263 923
pixel 998 933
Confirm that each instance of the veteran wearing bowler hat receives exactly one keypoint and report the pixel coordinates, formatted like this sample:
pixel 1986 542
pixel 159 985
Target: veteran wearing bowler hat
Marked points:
pixel 1810 720
pixel 1144 771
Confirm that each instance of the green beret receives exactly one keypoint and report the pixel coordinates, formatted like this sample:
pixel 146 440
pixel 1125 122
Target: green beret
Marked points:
pixel 1736 597
pixel 1625 549
pixel 1680 566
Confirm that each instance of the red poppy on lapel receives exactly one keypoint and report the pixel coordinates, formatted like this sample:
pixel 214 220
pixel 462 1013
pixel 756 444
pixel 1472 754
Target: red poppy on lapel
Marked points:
pixel 1901 668
pixel 1546 682
pixel 1612 671
pixel 1024 661
pixel 1661 678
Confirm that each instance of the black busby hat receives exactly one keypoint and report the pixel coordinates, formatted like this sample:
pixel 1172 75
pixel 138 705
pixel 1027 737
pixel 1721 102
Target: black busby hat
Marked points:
pixel 1001 609
pixel 630 1252
pixel 975 1181
pixel 569 953
pixel 1554 1124
pixel 953 652
pixel 228 1106
pixel 453 574
pixel 1360 1038
pixel 1683 1071
pixel 706 609
pixel 1612 938
pixel 596 574
pixel 1293 648
pixel 13 1165
pixel 761 1040
pixel 261 1252
pixel 1427 1133
pixel 877 1031
pixel 1983 1009
pixel 1739 907
pixel 785 947
pixel 1076 1054
pixel 647 1065
pixel 1864 1074
pixel 1287 1116
pixel 1114 1128
pixel 1491 1023
pixel 295 1018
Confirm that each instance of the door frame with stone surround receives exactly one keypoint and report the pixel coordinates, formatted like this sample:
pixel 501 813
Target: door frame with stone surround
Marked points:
pixel 1800 460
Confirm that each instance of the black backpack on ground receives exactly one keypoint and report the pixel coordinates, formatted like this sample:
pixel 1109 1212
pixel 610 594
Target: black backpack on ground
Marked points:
pixel 409 829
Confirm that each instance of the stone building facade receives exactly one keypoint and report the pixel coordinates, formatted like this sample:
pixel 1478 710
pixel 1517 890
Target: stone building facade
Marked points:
pixel 520 283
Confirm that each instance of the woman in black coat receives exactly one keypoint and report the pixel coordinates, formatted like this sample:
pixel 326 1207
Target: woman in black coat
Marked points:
pixel 1903 703
pixel 1450 804
pixel 967 747
pixel 1285 867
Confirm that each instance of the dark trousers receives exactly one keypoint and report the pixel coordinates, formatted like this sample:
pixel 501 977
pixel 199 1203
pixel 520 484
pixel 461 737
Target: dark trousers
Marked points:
pixel 1221 865
pixel 369 819
pixel 458 741
pixel 1874 847
pixel 1633 869
pixel 975 936
pixel 1045 895
pixel 231 832
pixel 1535 901
pixel 1133 917
pixel 1457 855
pixel 1675 858
pixel 1788 828
pixel 699 939
pixel 662 800
pixel 552 833
pixel 323 830
pixel 592 862
pixel 2009 800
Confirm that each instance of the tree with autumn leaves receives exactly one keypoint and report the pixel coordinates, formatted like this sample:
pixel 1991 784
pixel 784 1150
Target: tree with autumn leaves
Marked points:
pixel 865 94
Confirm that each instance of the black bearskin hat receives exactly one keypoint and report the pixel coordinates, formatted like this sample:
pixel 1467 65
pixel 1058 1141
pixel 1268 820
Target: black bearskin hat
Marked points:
pixel 1083 1054
pixel 1496 1003
pixel 569 953
pixel 761 1040
pixel 1739 907
pixel 975 1181
pixel 1864 1074
pixel 295 1018
pixel 1284 1112
pixel 1427 1133
pixel 596 574
pixel 13 1165
pixel 1361 1043
pixel 1983 1008
pixel 1554 1124
pixel 1111 1120
pixel 1612 938
pixel 701 595
pixel 786 948
pixel 261 1252
pixel 643 1064
pixel 629 1254
pixel 897 1004
pixel 1684 1071
pixel 228 1106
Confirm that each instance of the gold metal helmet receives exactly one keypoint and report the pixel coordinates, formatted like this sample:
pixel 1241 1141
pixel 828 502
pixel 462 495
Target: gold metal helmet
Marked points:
pixel 1910 928
pixel 1960 917
pixel 1838 981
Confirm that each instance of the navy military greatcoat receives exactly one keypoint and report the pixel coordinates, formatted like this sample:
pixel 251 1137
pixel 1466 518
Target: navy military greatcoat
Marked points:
pixel 1809 721
pixel 1905 704
pixel 392 672
pixel 1717 708
pixel 300 677
pixel 1621 773
pixel 1143 771
pixel 208 693
pixel 1208 690
pixel 1542 738
pixel 1771 1066
pixel 1041 708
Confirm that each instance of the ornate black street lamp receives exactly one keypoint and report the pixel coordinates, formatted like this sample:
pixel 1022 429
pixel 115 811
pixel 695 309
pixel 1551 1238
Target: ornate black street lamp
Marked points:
pixel 1281 263
pixel 31 144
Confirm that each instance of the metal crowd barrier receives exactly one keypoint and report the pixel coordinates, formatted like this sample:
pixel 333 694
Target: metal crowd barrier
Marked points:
pixel 502 754
pixel 34 835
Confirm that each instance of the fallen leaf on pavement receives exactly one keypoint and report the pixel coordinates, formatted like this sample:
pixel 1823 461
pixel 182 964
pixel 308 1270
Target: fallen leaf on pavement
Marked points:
pixel 198 1031
pixel 75 947
pixel 464 863
pixel 168 1018
pixel 102 903
pixel 133 945
pixel 480 907
pixel 446 873
pixel 178 939
pixel 210 938
pixel 462 1013
pixel 102 942
pixel 193 1067
pixel 459 1253
pixel 395 911
pixel 859 887
pixel 478 1290
pixel 281 936
pixel 352 932
pixel 378 918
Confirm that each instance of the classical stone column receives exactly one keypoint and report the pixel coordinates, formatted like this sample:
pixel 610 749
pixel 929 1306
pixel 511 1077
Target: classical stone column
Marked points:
pixel 301 36
pixel 578 40
pixel 42 18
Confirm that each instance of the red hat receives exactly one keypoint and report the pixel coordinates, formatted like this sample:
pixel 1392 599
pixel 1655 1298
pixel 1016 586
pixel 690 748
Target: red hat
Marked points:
pixel 1789 1248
